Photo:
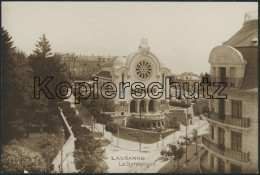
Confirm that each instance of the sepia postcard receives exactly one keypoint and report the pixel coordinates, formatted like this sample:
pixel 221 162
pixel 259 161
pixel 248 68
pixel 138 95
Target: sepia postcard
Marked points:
pixel 129 87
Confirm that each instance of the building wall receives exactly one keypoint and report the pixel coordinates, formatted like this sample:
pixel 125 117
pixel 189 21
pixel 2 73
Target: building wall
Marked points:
pixel 82 67
pixel 249 110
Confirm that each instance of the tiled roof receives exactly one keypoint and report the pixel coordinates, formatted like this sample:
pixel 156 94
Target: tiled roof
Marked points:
pixel 115 62
pixel 244 36
pixel 109 63
pixel 105 74
pixel 242 41
pixel 251 72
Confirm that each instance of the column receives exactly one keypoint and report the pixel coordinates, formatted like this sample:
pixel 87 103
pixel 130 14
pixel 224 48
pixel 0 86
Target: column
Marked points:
pixel 146 106
pixel 209 161
pixel 210 105
pixel 227 166
pixel 215 164
pixel 216 72
pixel 137 106
pixel 209 129
pixel 227 138
pixel 216 136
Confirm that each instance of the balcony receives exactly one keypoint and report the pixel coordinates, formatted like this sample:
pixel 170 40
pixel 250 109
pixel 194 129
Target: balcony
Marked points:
pixel 231 82
pixel 227 152
pixel 228 119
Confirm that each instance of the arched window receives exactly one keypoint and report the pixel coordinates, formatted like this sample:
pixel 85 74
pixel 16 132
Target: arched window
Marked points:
pixel 133 106
pixel 142 106
pixel 151 106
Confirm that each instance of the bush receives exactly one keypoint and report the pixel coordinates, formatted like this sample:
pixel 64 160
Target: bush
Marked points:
pixel 74 121
pixel 80 131
pixel 182 104
pixel 69 112
pixel 132 122
pixel 16 159
pixel 111 127
pixel 49 149
pixel 64 104
pixel 103 119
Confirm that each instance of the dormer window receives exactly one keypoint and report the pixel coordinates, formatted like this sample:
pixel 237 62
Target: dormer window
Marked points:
pixel 254 41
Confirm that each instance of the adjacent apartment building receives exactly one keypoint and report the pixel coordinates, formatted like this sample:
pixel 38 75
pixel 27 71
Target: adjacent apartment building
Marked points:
pixel 83 67
pixel 232 142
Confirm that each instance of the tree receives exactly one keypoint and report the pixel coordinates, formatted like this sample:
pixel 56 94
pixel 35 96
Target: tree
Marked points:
pixel 17 86
pixel 53 123
pixel 50 147
pixel 64 104
pixel 163 153
pixel 178 155
pixel 43 47
pixel 45 65
pixel 104 119
pixel 198 107
pixel 112 127
pixel 69 112
pixel 88 155
pixel 195 138
pixel 74 121
pixel 80 131
pixel 16 159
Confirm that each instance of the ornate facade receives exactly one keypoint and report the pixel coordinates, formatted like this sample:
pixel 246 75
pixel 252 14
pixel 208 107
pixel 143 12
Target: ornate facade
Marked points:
pixel 140 66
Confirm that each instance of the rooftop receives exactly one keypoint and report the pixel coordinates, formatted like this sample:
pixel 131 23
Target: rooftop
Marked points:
pixel 247 35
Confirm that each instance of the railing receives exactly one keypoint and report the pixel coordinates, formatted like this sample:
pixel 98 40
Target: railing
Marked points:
pixel 151 116
pixel 228 119
pixel 231 82
pixel 227 152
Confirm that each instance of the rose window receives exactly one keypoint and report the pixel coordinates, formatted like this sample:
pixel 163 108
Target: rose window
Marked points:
pixel 143 69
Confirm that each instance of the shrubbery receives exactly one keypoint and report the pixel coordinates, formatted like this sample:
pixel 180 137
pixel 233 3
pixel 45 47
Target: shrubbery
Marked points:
pixel 182 103
pixel 112 127
pixel 64 104
pixel 16 159
pixel 74 121
pixel 69 112
pixel 80 131
pixel 199 106
pixel 53 124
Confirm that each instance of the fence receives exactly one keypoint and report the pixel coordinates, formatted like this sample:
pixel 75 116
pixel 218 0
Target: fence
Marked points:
pixel 67 151
pixel 146 136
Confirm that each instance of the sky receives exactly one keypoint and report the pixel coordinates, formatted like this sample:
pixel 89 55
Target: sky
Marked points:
pixel 181 34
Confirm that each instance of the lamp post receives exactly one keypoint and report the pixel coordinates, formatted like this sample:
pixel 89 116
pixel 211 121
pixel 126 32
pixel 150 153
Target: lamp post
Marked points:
pixel 61 152
pixel 140 136
pixel 92 123
pixel 186 136
pixel 118 134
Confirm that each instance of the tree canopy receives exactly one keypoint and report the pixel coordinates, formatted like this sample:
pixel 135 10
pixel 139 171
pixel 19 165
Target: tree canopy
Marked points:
pixel 16 159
